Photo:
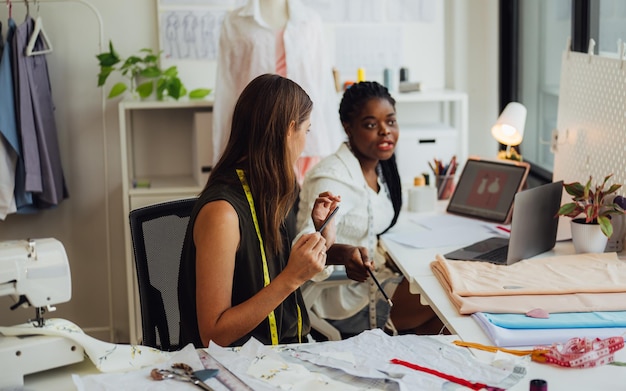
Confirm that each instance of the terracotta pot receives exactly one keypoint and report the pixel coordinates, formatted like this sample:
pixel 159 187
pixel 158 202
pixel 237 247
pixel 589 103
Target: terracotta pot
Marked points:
pixel 587 238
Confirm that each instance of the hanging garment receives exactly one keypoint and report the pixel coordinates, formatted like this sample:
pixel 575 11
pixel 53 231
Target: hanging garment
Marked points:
pixel 248 48
pixel 9 145
pixel 36 123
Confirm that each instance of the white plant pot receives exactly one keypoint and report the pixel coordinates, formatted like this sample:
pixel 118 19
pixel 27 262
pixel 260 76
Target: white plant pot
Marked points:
pixel 588 238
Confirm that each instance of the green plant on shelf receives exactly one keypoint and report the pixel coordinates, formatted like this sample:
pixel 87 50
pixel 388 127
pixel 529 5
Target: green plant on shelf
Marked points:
pixel 144 76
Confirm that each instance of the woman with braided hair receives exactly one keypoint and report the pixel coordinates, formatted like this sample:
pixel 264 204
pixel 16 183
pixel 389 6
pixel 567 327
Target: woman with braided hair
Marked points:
pixel 364 172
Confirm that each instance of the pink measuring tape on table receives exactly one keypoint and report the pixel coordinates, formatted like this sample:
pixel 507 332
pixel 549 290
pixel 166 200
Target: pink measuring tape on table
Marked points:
pixel 582 352
pixel 575 353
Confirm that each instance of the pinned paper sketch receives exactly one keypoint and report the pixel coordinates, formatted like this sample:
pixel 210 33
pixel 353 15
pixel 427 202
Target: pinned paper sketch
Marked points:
pixel 191 34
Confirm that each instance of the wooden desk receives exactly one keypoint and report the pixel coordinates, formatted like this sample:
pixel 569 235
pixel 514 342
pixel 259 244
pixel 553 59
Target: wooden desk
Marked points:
pixel 414 264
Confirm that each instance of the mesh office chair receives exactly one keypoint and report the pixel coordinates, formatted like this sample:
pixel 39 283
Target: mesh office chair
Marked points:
pixel 157 233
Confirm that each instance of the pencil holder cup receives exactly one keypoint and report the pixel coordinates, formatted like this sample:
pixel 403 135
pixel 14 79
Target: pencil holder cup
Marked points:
pixel 445 186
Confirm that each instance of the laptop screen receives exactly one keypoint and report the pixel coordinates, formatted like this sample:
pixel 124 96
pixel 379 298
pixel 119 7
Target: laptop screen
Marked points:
pixel 487 188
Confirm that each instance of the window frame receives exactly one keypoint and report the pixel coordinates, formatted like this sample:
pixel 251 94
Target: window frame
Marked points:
pixel 584 25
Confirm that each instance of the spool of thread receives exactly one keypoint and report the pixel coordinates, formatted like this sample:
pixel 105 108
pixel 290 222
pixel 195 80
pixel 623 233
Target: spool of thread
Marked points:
pixel 388 79
pixel 538 385
pixel 337 79
pixel 404 74
pixel 360 75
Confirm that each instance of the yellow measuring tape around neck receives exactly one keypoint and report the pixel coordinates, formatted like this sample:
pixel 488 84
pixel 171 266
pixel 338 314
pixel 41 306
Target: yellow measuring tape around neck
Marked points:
pixel 266 275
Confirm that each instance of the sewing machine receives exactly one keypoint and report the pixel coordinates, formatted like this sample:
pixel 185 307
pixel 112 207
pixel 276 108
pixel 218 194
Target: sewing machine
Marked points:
pixel 34 273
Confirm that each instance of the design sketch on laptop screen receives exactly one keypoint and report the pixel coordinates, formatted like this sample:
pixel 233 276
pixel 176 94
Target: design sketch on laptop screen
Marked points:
pixel 486 189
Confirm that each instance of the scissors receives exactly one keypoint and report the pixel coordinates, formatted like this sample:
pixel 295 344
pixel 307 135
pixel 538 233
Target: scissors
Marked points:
pixel 181 372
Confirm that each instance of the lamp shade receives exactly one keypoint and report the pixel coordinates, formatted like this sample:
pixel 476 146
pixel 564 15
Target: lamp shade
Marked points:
pixel 509 129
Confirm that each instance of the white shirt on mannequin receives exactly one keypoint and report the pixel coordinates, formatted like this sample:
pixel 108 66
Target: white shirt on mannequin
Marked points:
pixel 247 49
pixel 275 13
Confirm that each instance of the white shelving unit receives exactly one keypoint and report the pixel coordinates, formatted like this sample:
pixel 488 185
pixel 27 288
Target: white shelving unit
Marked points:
pixel 164 146
pixel 433 124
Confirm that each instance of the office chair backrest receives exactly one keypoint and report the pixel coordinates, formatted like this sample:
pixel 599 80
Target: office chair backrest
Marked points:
pixel 157 233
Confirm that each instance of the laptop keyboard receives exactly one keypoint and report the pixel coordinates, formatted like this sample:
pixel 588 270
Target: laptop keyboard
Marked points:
pixel 496 255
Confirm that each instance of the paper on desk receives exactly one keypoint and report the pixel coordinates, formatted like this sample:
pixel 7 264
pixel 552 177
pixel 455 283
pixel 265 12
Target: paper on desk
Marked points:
pixel 442 237
pixel 373 350
pixel 445 221
pixel 140 379
pixel 446 230
pixel 362 362
pixel 265 368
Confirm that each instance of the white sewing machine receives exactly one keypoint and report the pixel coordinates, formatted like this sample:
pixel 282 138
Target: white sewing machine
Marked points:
pixel 35 273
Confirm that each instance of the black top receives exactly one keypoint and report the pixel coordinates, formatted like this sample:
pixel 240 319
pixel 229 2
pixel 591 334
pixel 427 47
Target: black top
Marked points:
pixel 248 275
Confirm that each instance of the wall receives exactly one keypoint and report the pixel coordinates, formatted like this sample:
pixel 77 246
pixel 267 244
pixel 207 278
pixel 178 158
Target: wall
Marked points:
pixel 90 223
pixel 472 66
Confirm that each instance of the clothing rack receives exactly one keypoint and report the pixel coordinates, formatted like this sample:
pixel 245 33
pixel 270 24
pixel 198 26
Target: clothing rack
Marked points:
pixel 101 45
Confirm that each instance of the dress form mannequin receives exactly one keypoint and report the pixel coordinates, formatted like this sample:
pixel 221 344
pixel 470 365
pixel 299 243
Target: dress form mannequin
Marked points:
pixel 283 37
pixel 275 13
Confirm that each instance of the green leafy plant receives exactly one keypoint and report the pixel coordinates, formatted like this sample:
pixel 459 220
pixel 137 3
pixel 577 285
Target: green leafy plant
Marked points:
pixel 144 68
pixel 591 204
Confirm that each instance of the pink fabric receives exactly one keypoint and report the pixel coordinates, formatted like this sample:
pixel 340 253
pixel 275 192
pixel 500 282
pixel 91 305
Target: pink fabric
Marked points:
pixel 521 301
pixel 581 273
pixel 281 57
pixel 304 164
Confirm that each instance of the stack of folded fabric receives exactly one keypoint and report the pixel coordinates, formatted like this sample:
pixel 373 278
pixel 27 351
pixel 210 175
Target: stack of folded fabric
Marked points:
pixel 584 295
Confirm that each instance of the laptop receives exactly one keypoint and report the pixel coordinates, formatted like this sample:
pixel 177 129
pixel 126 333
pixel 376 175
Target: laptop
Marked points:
pixel 486 189
pixel 533 229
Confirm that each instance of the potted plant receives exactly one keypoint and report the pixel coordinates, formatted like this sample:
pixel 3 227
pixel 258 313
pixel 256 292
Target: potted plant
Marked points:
pixel 144 75
pixel 592 208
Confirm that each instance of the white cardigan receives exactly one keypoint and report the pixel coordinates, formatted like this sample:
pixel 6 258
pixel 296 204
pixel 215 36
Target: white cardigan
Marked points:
pixel 341 174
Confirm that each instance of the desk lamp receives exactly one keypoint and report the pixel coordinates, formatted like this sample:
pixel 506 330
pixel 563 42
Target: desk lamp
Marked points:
pixel 509 129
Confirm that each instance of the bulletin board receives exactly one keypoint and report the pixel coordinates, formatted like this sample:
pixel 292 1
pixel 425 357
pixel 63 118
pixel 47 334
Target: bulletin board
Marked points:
pixel 591 122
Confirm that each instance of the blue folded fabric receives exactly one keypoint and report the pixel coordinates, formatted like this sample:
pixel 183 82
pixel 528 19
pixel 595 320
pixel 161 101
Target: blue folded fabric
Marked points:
pixel 565 320
pixel 504 337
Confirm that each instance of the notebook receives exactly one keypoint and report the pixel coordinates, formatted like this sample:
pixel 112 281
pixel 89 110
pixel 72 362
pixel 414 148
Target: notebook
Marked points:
pixel 486 189
pixel 533 229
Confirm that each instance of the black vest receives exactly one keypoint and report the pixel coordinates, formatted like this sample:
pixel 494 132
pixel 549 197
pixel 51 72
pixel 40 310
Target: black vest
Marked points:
pixel 248 276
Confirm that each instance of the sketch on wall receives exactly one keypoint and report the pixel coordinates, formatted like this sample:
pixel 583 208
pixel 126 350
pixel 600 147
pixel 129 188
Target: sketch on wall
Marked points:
pixel 189 29
pixel 191 34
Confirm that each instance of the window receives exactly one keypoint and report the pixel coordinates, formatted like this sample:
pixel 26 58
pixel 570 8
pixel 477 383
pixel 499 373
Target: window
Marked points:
pixel 534 35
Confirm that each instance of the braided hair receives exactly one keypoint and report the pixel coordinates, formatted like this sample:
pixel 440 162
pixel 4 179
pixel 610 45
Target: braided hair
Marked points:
pixel 354 98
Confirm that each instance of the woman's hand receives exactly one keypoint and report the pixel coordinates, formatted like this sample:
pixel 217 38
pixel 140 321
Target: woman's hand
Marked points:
pixel 355 259
pixel 324 205
pixel 307 258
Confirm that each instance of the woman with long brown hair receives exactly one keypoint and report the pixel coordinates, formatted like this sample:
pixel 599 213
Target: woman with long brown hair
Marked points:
pixel 240 277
